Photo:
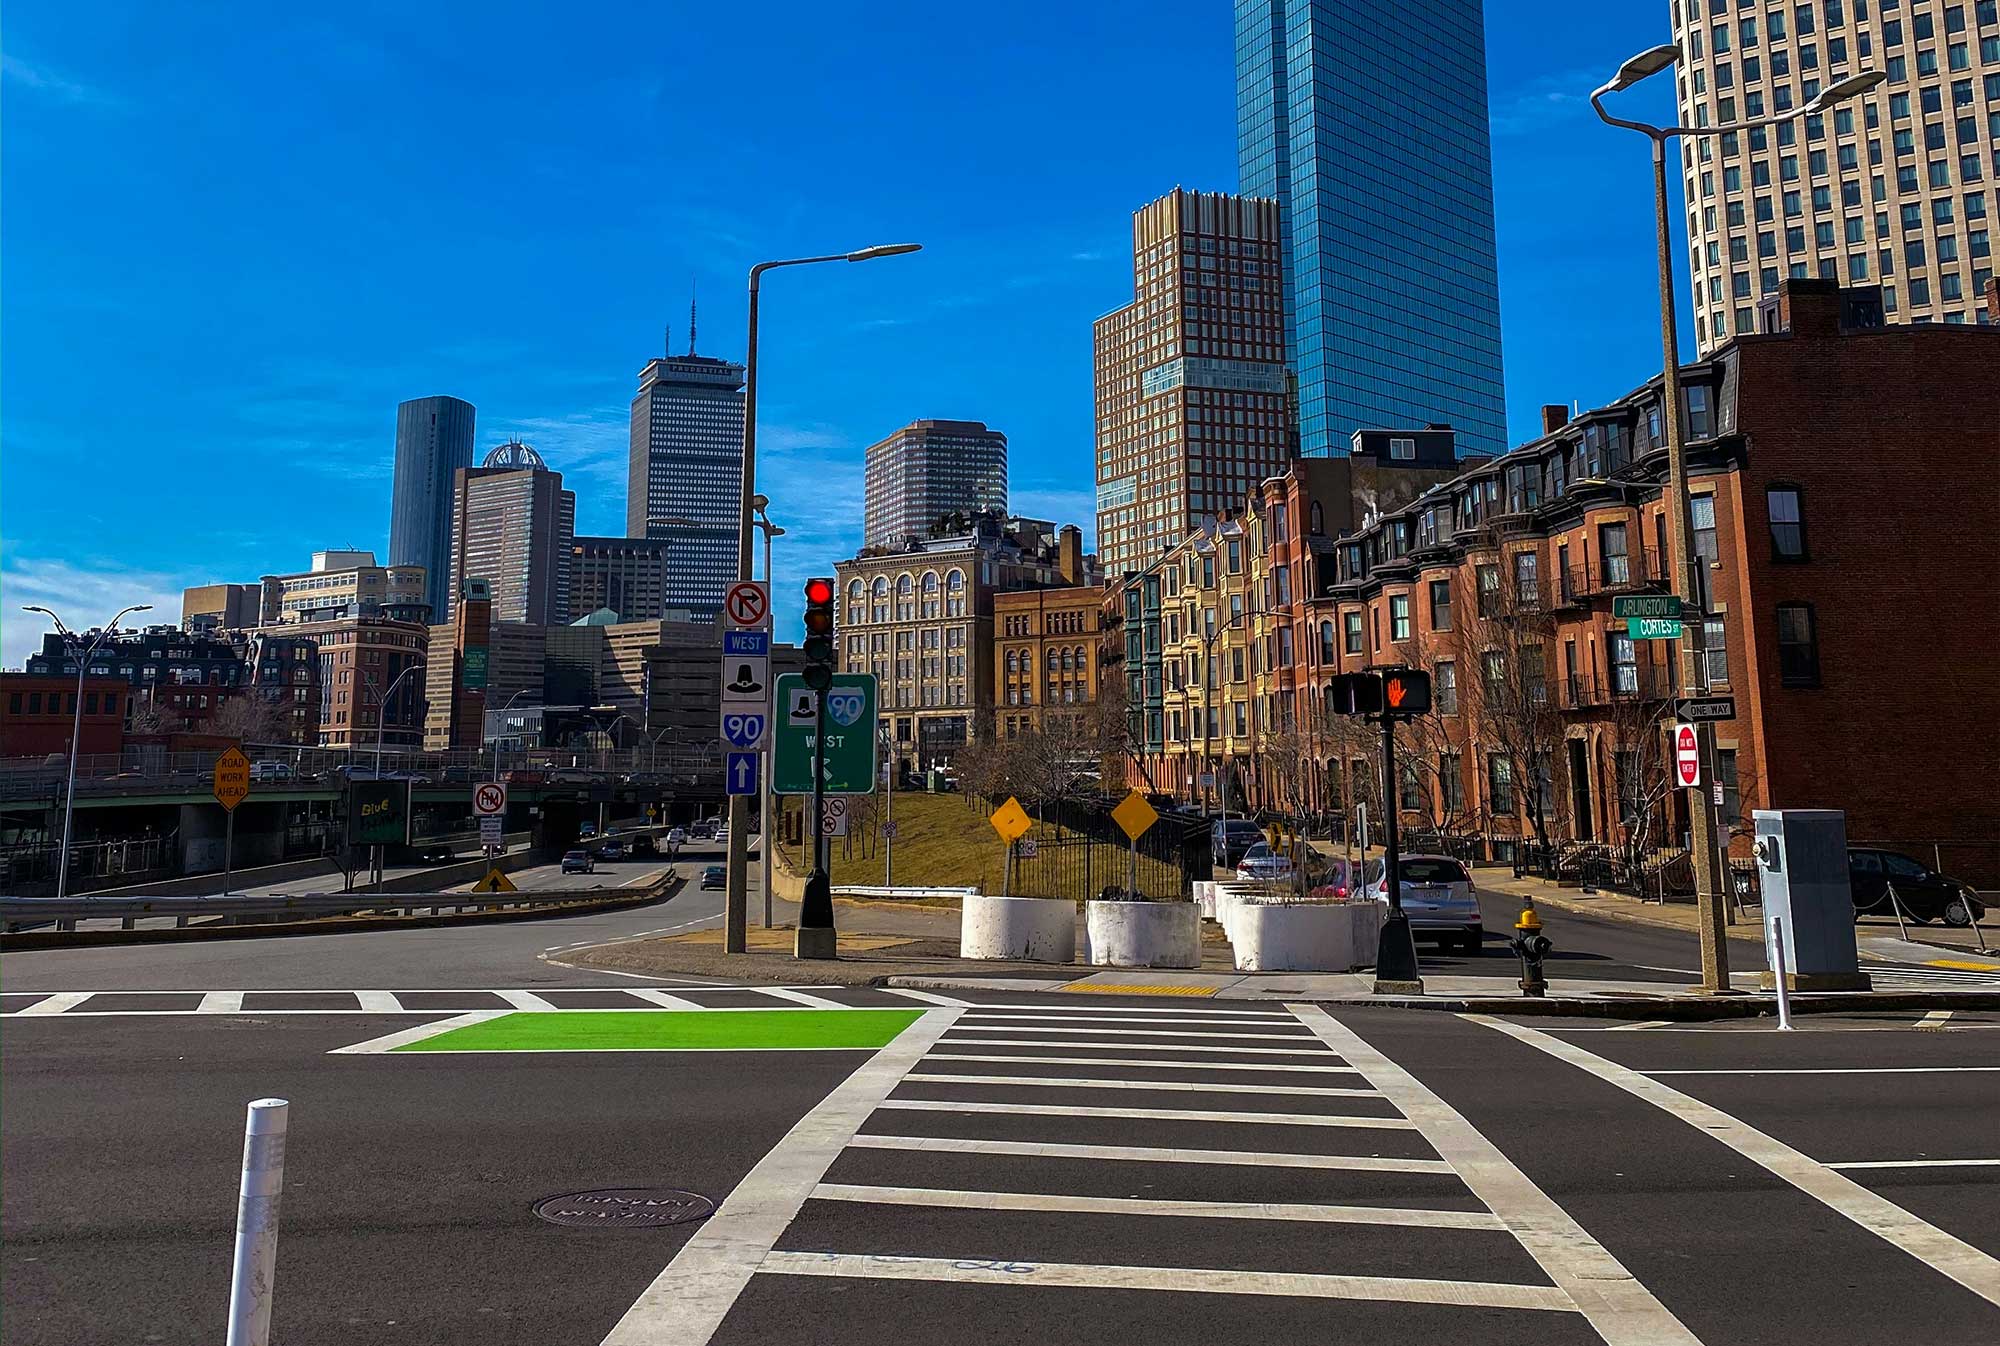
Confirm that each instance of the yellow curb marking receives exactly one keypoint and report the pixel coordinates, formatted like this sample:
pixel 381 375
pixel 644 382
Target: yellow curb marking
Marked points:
pixel 1102 989
pixel 1968 967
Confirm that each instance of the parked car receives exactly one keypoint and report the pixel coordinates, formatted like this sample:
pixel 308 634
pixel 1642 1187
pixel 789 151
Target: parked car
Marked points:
pixel 1229 838
pixel 1923 894
pixel 611 850
pixel 270 768
pixel 1438 897
pixel 578 862
pixel 714 877
pixel 570 775
pixel 1260 862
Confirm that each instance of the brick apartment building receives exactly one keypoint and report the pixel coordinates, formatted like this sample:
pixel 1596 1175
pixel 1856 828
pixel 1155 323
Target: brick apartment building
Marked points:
pixel 1045 654
pixel 1845 504
pixel 38 714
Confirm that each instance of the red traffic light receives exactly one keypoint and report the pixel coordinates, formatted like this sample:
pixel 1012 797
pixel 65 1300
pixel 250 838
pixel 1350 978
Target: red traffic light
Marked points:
pixel 819 590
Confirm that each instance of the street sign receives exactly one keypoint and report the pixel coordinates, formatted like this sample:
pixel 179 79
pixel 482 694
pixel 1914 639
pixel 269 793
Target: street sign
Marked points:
pixel 378 812
pixel 1650 605
pixel 744 729
pixel 492 830
pixel 889 829
pixel 1687 758
pixel 1707 708
pixel 489 799
pixel 495 882
pixel 748 603
pixel 739 773
pixel 1718 794
pixel 1134 815
pixel 746 680
pixel 232 779
pixel 1010 820
pixel 1653 628
pixel 851 763
pixel 833 822
pixel 756 643
pixel 1030 848
pixel 1208 780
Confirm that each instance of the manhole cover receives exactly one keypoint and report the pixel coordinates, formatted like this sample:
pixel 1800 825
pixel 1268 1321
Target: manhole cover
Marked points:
pixel 624 1208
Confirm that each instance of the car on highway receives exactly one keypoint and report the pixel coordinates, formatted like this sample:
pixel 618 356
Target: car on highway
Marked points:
pixel 722 835
pixel 677 836
pixel 270 768
pixel 1230 838
pixel 714 877
pixel 1438 897
pixel 1923 894
pixel 436 853
pixel 570 775
pixel 578 862
pixel 702 831
pixel 611 850
pixel 1260 862
pixel 586 830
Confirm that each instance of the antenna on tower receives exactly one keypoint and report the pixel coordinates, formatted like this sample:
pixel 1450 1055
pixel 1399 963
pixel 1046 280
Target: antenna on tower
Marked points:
pixel 690 315
pixel 667 340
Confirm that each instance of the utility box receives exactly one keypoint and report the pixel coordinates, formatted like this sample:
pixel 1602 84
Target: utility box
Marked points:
pixel 1801 859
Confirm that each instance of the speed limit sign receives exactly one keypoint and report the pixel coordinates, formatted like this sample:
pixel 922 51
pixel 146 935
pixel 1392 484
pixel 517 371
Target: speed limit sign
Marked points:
pixel 489 799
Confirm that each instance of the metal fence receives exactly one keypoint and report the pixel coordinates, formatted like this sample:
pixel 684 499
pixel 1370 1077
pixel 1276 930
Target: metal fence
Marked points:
pixel 142 858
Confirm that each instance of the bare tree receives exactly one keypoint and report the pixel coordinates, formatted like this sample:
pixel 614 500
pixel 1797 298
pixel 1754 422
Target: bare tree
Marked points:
pixel 250 718
pixel 1503 641
pixel 154 718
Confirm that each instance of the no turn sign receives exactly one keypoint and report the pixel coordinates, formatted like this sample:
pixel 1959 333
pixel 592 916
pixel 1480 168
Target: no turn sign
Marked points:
pixel 489 799
pixel 748 604
pixel 1687 757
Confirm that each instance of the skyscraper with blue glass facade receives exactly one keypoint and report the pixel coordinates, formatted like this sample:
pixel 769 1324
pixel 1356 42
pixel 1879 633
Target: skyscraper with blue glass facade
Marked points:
pixel 1366 120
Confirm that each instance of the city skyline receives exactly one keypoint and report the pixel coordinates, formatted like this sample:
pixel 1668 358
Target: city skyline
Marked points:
pixel 296 399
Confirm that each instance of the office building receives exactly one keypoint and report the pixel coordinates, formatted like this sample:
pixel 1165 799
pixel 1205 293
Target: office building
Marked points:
pixel 1894 188
pixel 684 481
pixel 344 584
pixel 220 607
pixel 360 659
pixel 1367 123
pixel 433 441
pixel 927 471
pixel 514 526
pixel 626 576
pixel 1193 402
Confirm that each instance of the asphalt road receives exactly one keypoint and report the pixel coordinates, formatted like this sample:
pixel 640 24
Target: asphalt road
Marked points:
pixel 1595 948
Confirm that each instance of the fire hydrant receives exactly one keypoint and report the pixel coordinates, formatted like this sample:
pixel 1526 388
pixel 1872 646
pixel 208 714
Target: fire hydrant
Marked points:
pixel 1531 946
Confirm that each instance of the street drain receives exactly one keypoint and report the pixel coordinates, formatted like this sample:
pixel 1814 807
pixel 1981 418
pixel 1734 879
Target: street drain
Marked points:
pixel 624 1208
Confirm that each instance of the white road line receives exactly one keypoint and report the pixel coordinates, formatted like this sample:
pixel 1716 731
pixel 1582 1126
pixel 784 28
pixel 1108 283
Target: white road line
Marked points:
pixel 1131 1061
pixel 1623 1311
pixel 525 1000
pixel 1131 1032
pixel 1035 1149
pixel 1320 1052
pixel 1918 1163
pixel 1834 1070
pixel 1976 1271
pixel 389 1042
pixel 1118 1205
pixel 689 1299
pixel 1935 1019
pixel 220 1002
pixel 60 1003
pixel 379 1002
pixel 951 1002
pixel 1175 1086
pixel 989 1022
pixel 1642 1025
pixel 1152 1114
pixel 661 998
pixel 1465 1294
pixel 801 998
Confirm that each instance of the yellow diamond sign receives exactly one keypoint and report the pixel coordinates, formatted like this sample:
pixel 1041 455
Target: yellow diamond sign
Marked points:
pixel 494 882
pixel 1135 815
pixel 1010 820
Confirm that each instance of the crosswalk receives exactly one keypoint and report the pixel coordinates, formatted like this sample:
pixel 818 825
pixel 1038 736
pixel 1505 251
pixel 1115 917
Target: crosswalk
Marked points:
pixel 1195 1155
pixel 99 1004
pixel 1908 977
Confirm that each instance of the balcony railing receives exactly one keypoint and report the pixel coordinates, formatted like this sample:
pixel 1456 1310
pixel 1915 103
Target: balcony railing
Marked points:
pixel 1616 575
pixel 1635 684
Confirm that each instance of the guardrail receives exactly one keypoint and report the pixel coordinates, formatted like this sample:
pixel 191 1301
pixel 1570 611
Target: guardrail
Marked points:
pixel 20 913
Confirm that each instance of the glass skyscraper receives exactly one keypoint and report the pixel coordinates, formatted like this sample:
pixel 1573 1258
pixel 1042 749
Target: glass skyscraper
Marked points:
pixel 684 480
pixel 433 441
pixel 1366 121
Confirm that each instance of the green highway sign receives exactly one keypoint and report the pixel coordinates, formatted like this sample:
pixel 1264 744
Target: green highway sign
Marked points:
pixel 850 735
pixel 1653 628
pixel 1648 605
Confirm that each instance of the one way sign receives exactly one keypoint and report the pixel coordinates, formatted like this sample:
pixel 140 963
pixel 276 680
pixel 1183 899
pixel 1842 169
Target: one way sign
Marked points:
pixel 739 773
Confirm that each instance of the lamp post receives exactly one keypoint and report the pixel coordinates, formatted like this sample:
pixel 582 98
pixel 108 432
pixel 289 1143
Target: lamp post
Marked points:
pixel 735 937
pixel 381 720
pixel 76 721
pixel 760 503
pixel 496 734
pixel 1687 586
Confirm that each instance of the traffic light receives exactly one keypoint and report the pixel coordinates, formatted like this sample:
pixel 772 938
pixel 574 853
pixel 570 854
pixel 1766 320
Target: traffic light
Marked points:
pixel 819 633
pixel 1406 692
pixel 1355 694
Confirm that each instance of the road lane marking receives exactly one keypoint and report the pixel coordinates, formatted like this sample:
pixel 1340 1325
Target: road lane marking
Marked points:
pixel 1833 1070
pixel 1108 1013
pixel 1147 1031
pixel 1134 1061
pixel 1621 1309
pixel 1114 1205
pixel 1196 1280
pixel 989 1021
pixel 1175 1086
pixel 801 997
pixel 528 1000
pixel 1139 1047
pixel 378 1002
pixel 662 999
pixel 220 1002
pixel 1035 1149
pixel 1942 1252
pixel 950 1002
pixel 60 1003
pixel 1935 1019
pixel 689 1299
pixel 1152 1114
pixel 1640 1026
pixel 1918 1163
pixel 389 1042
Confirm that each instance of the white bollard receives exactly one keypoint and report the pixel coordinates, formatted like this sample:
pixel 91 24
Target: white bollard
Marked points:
pixel 256 1260
pixel 1778 962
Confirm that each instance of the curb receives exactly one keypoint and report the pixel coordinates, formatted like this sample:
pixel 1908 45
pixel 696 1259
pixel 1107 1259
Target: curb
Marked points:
pixel 1620 916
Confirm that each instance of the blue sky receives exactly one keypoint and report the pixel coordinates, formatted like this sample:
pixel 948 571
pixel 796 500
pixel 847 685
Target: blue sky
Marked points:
pixel 234 237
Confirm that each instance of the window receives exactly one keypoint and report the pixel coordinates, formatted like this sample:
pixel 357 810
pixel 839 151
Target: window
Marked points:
pixel 1444 687
pixel 1612 557
pixel 1350 625
pixel 1715 649
pixel 1488 578
pixel 1798 646
pixel 1527 579
pixel 1624 665
pixel 1493 672
pixel 1403 450
pixel 1725 776
pixel 1440 605
pixel 1788 530
pixel 1499 783
pixel 1399 616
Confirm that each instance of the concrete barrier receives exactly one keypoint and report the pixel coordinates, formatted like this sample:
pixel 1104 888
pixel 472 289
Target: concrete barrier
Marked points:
pixel 1305 936
pixel 1143 934
pixel 1027 929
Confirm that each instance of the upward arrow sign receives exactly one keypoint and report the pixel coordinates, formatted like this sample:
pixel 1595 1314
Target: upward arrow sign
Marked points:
pixel 742 773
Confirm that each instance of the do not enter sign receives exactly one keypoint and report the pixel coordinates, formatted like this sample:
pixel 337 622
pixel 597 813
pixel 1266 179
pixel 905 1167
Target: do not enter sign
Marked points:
pixel 1687 758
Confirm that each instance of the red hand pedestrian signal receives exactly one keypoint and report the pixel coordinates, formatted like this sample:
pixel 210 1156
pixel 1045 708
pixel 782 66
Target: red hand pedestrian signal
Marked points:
pixel 1406 692
pixel 1394 690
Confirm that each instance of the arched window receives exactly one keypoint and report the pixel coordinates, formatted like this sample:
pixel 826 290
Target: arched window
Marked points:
pixel 879 599
pixel 856 612
pixel 1318 519
pixel 906 600
pixel 1013 663
pixel 930 586
pixel 1066 660
pixel 954 593
pixel 1327 654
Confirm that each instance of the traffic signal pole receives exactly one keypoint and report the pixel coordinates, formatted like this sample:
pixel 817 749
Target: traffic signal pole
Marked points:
pixel 815 937
pixel 1396 955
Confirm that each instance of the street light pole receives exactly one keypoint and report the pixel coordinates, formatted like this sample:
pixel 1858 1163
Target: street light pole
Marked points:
pixel 1707 848
pixel 76 723
pixel 381 720
pixel 735 906
pixel 496 735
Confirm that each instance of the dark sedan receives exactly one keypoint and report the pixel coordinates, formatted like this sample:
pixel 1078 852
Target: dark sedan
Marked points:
pixel 1922 894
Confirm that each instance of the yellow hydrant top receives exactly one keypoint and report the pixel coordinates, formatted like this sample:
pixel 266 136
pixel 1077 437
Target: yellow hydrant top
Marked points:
pixel 1528 920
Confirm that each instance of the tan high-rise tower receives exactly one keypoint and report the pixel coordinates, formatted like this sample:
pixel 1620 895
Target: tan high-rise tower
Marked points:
pixel 1193 403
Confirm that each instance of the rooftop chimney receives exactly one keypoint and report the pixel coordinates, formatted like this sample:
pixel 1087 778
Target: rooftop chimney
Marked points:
pixel 1809 307
pixel 1554 417
pixel 1069 554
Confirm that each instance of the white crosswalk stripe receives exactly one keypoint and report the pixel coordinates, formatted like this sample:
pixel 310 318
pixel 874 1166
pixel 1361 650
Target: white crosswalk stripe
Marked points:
pixel 1911 978
pixel 447 1000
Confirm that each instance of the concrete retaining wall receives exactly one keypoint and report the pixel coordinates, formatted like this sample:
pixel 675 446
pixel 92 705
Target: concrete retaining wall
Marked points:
pixel 1028 929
